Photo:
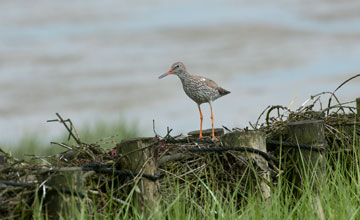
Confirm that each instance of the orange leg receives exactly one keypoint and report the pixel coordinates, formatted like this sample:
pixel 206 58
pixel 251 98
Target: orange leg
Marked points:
pixel 201 121
pixel 212 124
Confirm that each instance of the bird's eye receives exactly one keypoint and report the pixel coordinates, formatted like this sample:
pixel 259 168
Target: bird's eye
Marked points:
pixel 177 66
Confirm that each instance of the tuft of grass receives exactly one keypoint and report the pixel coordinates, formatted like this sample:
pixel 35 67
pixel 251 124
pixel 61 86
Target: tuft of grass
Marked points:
pixel 336 197
pixel 31 144
pixel 107 134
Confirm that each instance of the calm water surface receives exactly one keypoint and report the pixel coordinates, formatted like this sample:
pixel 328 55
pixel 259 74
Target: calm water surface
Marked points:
pixel 91 60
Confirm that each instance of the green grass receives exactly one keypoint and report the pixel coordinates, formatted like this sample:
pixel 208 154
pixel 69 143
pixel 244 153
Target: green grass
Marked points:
pixel 337 197
pixel 31 142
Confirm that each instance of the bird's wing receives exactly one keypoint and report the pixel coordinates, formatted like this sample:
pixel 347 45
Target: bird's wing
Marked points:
pixel 208 82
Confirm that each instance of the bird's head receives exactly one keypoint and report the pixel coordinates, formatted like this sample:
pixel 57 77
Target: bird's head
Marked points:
pixel 177 68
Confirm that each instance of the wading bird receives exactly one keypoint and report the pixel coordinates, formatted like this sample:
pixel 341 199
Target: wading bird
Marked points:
pixel 199 89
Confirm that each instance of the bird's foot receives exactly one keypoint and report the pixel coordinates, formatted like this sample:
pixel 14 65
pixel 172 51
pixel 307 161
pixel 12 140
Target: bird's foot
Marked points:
pixel 201 137
pixel 214 138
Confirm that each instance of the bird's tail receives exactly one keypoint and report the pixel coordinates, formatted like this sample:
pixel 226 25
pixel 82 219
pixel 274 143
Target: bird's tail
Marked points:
pixel 223 91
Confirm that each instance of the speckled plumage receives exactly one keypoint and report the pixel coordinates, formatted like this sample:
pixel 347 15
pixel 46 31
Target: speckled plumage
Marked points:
pixel 198 88
pixel 201 89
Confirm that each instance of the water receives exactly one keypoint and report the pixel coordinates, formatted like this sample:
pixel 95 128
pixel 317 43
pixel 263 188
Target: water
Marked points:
pixel 92 60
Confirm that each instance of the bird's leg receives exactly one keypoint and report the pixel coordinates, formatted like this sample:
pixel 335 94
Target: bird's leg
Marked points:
pixel 201 121
pixel 212 124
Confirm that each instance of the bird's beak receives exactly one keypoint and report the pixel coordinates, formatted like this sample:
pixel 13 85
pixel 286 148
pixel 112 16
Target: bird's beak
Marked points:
pixel 165 74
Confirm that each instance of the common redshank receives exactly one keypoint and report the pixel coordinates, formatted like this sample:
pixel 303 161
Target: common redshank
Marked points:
pixel 199 89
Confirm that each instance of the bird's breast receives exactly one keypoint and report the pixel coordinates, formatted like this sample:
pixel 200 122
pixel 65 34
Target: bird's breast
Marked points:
pixel 199 92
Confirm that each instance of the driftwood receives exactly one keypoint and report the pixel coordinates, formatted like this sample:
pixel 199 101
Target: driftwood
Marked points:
pixel 65 185
pixel 139 155
pixel 255 140
pixel 207 132
pixel 310 163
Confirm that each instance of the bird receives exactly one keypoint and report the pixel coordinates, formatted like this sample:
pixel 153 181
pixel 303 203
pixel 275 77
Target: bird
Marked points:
pixel 199 89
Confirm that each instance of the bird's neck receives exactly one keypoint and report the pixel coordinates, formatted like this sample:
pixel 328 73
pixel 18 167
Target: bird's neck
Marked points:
pixel 183 76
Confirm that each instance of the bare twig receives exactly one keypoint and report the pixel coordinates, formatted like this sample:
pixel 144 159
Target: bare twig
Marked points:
pixel 62 145
pixel 346 81
pixel 272 108
pixel 156 134
pixel 262 113
pixel 226 128
pixel 76 138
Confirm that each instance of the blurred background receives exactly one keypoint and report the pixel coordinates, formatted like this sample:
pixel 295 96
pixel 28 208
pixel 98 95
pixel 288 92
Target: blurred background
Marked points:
pixel 99 61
